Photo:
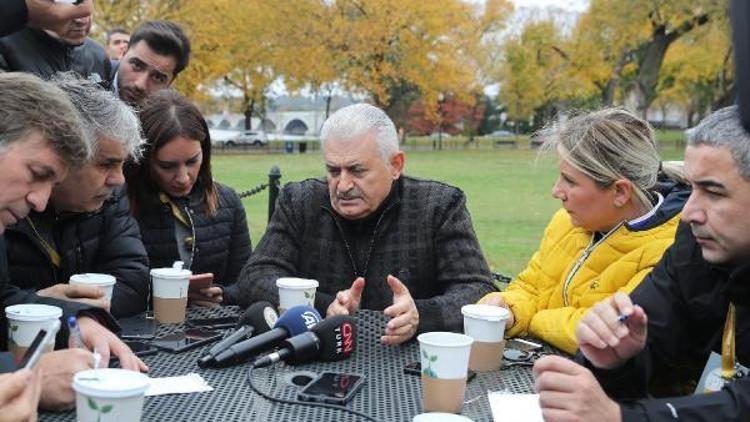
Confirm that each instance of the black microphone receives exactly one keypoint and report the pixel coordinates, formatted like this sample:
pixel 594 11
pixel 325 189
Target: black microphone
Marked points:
pixel 259 318
pixel 332 339
pixel 296 320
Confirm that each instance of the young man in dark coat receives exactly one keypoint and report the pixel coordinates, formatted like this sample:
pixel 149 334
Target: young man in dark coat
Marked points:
pixel 696 299
pixel 373 238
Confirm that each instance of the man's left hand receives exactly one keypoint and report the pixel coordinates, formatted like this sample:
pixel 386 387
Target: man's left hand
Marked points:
pixel 403 313
pixel 570 392
pixel 99 339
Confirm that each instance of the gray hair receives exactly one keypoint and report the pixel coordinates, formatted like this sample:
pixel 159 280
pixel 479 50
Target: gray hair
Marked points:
pixel 356 121
pixel 723 128
pixel 29 104
pixel 102 114
pixel 611 144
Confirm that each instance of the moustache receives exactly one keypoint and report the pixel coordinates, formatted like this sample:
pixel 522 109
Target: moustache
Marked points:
pixel 350 194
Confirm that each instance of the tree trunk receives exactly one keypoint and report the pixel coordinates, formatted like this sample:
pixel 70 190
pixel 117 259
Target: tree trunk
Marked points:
pixel 249 108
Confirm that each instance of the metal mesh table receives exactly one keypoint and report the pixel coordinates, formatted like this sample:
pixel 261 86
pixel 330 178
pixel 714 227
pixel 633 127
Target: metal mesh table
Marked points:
pixel 387 395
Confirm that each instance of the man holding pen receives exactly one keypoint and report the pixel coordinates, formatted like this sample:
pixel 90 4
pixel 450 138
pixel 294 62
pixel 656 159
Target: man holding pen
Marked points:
pixel 40 138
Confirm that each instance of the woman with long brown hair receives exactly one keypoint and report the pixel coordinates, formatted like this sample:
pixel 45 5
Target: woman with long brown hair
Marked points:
pixel 183 213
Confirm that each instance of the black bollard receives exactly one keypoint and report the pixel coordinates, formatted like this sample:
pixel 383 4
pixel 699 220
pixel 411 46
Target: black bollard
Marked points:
pixel 274 182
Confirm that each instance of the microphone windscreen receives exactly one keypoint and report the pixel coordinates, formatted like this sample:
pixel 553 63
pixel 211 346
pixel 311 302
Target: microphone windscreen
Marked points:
pixel 338 335
pixel 261 316
pixel 298 319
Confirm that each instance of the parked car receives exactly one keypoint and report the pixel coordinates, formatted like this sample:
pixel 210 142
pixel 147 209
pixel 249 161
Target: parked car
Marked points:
pixel 248 137
pixel 437 135
pixel 501 134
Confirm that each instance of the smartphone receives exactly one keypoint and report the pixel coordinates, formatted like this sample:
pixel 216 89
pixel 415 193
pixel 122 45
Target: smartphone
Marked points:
pixel 522 345
pixel 332 387
pixel 36 349
pixel 138 327
pixel 415 368
pixel 200 281
pixel 141 348
pixel 186 340
pixel 218 323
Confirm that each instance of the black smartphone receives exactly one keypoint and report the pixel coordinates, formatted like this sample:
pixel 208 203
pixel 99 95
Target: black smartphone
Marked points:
pixel 138 327
pixel 218 323
pixel 35 350
pixel 141 348
pixel 415 368
pixel 186 340
pixel 332 387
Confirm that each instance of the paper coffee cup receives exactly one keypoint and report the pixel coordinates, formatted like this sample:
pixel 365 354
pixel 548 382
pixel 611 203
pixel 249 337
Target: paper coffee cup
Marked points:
pixel 296 291
pixel 486 325
pixel 105 281
pixel 109 395
pixel 24 323
pixel 170 292
pixel 445 361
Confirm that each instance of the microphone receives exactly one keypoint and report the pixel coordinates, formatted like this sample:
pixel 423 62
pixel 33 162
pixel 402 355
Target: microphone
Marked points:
pixel 259 318
pixel 332 339
pixel 295 320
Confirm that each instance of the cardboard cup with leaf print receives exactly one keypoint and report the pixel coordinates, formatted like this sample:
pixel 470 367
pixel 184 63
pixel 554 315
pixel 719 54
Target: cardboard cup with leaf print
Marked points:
pixel 486 325
pixel 109 395
pixel 445 361
pixel 296 291
pixel 25 321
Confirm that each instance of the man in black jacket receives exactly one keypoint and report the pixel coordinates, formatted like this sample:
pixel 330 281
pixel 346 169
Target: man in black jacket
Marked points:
pixel 15 14
pixel 87 228
pixel 40 138
pixel 56 47
pixel 680 313
pixel 373 238
pixel 158 51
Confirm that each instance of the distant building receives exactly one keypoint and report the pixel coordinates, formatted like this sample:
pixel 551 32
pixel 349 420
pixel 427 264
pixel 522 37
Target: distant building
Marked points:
pixel 285 115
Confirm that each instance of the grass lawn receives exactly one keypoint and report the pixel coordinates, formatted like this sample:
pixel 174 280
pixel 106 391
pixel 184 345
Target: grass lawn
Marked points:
pixel 507 189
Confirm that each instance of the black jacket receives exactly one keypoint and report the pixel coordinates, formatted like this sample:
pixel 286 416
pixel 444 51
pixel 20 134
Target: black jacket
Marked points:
pixel 33 50
pixel 686 301
pixel 106 241
pixel 13 16
pixel 12 295
pixel 223 240
pixel 422 234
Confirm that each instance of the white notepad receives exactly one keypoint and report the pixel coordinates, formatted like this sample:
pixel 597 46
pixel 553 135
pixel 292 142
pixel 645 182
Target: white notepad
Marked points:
pixel 190 383
pixel 515 407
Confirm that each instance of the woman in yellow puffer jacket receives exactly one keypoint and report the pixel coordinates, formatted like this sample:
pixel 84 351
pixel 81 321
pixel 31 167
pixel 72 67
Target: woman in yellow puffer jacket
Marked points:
pixel 616 221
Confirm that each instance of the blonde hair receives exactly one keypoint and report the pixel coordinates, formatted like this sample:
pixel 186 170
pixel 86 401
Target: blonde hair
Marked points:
pixel 612 144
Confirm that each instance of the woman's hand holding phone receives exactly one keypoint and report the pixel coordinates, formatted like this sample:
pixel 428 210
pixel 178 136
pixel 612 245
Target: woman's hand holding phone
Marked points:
pixel 202 292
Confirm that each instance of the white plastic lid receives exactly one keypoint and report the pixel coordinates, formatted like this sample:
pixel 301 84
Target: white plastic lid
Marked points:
pixel 171 273
pixel 485 312
pixel 110 383
pixel 296 283
pixel 440 417
pixel 94 279
pixel 32 312
pixel 445 339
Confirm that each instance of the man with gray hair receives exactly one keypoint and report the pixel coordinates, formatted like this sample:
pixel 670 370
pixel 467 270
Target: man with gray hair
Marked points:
pixel 87 227
pixel 690 313
pixel 40 139
pixel 372 237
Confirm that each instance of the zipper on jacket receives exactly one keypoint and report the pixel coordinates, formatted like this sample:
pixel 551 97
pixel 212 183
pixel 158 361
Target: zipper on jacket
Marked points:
pixel 584 256
pixel 372 241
